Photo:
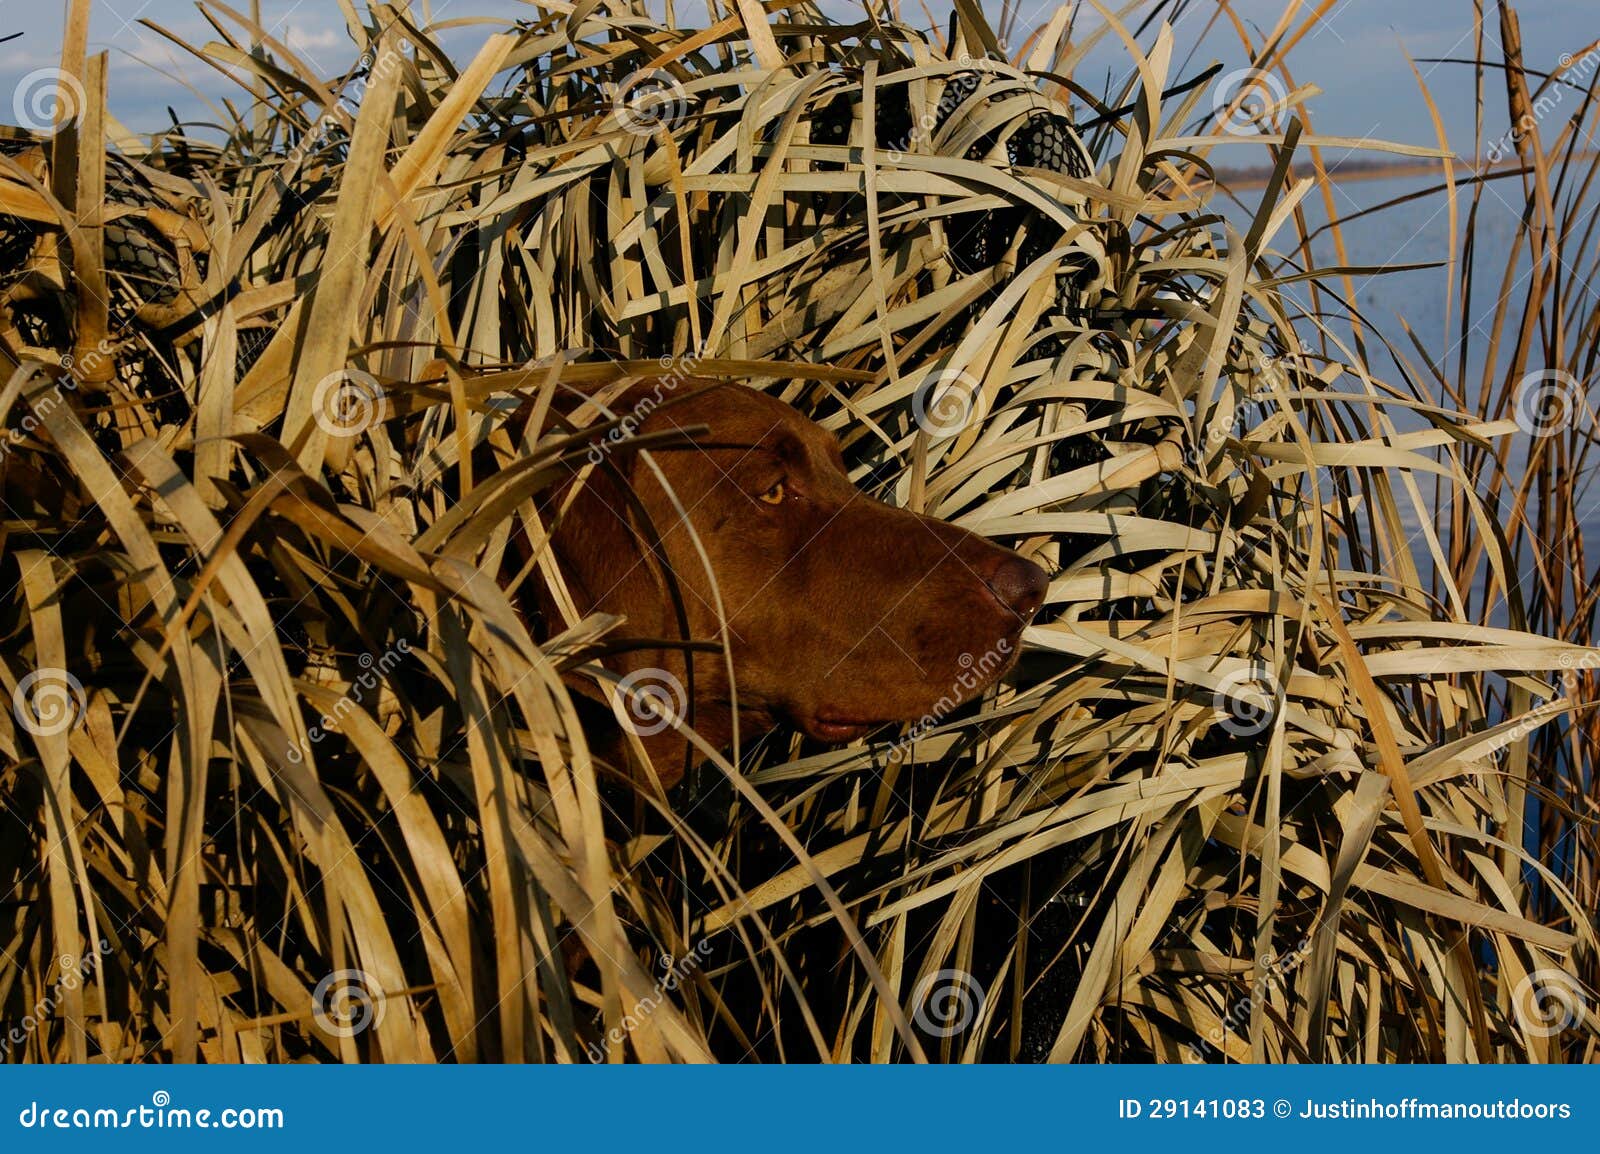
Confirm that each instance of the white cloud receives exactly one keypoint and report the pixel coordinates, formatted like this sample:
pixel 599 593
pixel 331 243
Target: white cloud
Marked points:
pixel 308 41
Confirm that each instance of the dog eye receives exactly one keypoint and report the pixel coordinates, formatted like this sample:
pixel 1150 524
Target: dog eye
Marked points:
pixel 774 495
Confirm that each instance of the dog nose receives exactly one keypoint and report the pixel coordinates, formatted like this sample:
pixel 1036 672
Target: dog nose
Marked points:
pixel 1018 584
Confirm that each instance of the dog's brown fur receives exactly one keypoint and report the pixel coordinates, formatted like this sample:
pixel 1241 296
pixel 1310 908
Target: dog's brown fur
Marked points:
pixel 842 613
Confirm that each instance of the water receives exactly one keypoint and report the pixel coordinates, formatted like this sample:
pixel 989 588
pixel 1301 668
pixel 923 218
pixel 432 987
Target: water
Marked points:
pixel 1423 301
pixel 1416 232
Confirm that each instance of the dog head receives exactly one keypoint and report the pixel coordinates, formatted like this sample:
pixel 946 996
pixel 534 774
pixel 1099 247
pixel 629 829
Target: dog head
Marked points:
pixel 840 613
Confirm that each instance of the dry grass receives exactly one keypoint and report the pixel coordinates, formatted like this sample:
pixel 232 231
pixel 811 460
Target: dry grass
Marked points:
pixel 1256 791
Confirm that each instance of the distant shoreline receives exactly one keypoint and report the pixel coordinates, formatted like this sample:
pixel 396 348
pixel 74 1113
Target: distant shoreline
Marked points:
pixel 1360 170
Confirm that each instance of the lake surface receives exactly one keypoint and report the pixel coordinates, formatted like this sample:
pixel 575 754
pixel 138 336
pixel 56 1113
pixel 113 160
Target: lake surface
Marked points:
pixel 1418 232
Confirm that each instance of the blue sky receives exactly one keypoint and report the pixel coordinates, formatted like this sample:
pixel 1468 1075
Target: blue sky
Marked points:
pixel 1356 54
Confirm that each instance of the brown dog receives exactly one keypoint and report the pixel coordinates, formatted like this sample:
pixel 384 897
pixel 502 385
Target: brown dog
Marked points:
pixel 842 613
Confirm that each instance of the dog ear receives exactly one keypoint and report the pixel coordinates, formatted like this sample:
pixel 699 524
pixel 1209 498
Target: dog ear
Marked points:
pixel 610 556
pixel 600 538
pixel 607 529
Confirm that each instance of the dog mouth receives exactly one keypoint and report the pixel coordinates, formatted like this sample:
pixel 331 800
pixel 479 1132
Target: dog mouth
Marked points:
pixel 840 727
pixel 837 729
